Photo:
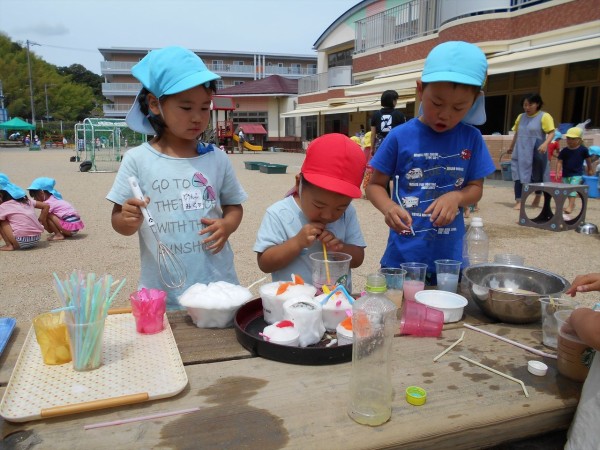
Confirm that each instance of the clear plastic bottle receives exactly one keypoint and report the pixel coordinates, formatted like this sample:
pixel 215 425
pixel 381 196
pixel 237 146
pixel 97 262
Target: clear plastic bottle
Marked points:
pixel 373 325
pixel 476 245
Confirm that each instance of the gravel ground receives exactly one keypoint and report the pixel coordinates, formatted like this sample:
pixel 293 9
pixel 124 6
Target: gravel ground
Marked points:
pixel 26 276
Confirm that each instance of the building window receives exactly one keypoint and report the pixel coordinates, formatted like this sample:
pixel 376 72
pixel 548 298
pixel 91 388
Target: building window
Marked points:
pixel 220 84
pixel 582 94
pixel 217 64
pixel 238 83
pixel 342 58
pixel 309 128
pixel 279 64
pixel 290 126
pixel 238 63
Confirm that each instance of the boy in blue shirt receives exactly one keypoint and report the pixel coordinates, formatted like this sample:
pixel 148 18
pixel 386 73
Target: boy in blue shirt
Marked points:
pixel 570 163
pixel 437 161
pixel 317 212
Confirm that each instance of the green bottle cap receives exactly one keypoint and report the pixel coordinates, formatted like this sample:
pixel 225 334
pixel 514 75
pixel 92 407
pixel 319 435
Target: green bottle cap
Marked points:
pixel 376 283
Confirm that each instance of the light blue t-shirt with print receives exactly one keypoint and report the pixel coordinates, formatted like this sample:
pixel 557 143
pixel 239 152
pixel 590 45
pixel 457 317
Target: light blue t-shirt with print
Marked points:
pixel 423 165
pixel 284 220
pixel 181 191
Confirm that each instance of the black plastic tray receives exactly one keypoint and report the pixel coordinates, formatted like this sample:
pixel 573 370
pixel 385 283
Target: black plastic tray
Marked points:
pixel 249 321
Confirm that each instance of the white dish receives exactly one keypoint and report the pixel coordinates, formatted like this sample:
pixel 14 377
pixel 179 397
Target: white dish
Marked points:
pixel 452 305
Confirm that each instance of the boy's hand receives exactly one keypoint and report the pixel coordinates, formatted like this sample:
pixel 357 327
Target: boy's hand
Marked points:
pixel 330 241
pixel 398 219
pixel 443 210
pixel 584 283
pixel 132 213
pixel 215 233
pixel 309 233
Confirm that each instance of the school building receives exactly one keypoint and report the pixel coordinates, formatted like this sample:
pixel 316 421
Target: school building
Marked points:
pixel 547 46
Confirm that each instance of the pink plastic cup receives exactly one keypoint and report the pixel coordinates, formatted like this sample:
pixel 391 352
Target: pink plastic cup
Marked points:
pixel 148 307
pixel 420 320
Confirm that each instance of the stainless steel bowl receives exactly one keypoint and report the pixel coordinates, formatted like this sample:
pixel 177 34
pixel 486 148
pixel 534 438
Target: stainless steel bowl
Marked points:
pixel 511 293
pixel 587 228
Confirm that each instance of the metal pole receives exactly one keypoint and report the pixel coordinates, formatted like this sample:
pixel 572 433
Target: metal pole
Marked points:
pixel 46 95
pixel 30 82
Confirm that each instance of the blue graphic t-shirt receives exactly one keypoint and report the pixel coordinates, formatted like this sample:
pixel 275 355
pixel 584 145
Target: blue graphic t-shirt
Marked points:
pixel 423 165
pixel 181 191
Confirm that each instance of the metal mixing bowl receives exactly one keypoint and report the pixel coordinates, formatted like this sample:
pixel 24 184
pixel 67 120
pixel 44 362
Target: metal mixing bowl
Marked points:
pixel 587 228
pixel 511 293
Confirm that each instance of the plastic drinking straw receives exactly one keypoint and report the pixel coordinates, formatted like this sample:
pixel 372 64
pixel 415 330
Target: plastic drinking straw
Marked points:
pixel 139 419
pixel 518 344
pixel 497 372
pixel 326 264
pixel 450 348
pixel 341 288
pixel 256 282
pixel 400 201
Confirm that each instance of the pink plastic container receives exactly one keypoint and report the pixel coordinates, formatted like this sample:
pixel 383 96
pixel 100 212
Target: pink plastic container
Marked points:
pixel 148 307
pixel 420 320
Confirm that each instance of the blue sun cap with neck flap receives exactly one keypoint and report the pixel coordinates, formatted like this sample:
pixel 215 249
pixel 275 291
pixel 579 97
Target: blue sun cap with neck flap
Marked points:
pixel 167 71
pixel 459 62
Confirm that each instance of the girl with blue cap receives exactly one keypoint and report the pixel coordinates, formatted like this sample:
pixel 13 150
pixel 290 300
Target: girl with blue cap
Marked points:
pixel 19 225
pixel 191 188
pixel 63 220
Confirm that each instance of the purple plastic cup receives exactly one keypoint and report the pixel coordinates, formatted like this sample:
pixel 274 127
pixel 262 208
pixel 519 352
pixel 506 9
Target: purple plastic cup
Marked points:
pixel 420 320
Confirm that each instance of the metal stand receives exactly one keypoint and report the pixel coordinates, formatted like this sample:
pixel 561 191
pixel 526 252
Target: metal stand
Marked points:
pixel 549 219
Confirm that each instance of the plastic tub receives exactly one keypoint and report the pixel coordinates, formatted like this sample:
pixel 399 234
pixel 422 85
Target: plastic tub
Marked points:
pixel 506 172
pixel 451 304
pixel 592 183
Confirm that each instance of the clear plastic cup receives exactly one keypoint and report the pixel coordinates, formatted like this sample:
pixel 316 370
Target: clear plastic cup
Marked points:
pixel 51 334
pixel 394 280
pixel 333 270
pixel 85 340
pixel 572 352
pixel 414 279
pixel 447 271
pixel 420 320
pixel 549 323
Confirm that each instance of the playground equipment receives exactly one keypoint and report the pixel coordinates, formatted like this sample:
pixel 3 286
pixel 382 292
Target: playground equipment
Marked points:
pixel 103 141
pixel 248 145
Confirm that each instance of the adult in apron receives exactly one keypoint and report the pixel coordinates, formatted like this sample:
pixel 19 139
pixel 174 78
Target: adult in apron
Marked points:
pixel 534 130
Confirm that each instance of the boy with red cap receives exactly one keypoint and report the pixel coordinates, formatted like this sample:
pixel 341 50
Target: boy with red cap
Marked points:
pixel 317 211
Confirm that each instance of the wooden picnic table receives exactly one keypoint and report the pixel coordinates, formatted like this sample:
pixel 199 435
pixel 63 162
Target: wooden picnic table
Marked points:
pixel 251 402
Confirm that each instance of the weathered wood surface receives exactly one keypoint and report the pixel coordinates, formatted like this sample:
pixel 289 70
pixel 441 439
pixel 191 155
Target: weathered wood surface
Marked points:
pixel 257 403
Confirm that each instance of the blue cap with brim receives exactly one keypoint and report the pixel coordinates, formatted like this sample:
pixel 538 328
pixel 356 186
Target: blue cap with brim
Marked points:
pixel 166 71
pixel 459 62
pixel 3 177
pixel 15 191
pixel 45 184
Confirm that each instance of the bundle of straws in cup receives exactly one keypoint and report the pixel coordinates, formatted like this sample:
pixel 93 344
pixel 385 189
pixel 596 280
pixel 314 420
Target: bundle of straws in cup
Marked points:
pixel 86 300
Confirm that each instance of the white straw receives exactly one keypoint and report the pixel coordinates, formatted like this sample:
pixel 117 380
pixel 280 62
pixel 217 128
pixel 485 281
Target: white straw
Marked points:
pixel 450 348
pixel 518 344
pixel 516 380
pixel 139 419
pixel 256 282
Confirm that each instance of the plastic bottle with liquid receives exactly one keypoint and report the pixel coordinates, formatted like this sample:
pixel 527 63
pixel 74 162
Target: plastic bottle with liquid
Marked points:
pixel 373 325
pixel 476 246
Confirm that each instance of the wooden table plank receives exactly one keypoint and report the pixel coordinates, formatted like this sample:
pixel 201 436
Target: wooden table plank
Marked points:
pixel 264 404
pixel 204 345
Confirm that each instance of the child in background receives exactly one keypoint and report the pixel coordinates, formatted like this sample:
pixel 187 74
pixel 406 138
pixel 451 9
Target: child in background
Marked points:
pixel 437 161
pixel 63 220
pixel 194 195
pixel 584 432
pixel 19 225
pixel 317 211
pixel 570 163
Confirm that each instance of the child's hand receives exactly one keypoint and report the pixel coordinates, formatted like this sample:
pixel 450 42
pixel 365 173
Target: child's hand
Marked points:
pixel 443 210
pixel 309 233
pixel 216 233
pixel 330 241
pixel 132 213
pixel 584 283
pixel 398 219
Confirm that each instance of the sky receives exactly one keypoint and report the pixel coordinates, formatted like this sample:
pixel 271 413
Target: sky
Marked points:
pixel 71 31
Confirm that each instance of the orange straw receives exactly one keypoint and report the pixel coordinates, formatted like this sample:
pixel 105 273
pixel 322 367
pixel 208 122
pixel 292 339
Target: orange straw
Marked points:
pixel 326 264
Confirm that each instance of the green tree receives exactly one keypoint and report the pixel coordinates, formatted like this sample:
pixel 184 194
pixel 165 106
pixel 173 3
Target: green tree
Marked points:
pixel 73 92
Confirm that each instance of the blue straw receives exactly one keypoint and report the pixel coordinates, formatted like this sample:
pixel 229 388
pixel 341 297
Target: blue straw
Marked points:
pixel 340 287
